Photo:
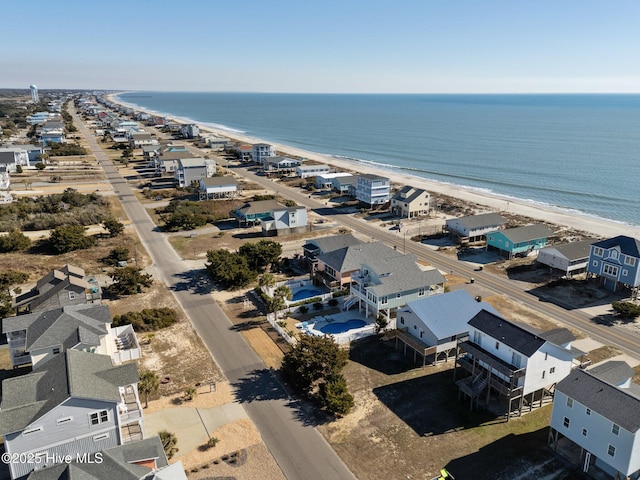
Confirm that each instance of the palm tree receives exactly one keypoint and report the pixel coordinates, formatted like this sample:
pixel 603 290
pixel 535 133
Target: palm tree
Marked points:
pixel 149 383
pixel 278 302
pixel 267 280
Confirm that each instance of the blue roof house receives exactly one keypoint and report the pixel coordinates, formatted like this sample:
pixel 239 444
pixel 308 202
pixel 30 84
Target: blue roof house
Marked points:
pixel 519 240
pixel 616 261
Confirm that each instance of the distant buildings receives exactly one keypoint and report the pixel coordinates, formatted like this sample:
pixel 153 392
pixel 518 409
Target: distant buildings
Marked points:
pixel 34 94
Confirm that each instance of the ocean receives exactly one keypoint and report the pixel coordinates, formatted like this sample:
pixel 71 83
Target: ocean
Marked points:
pixel 576 152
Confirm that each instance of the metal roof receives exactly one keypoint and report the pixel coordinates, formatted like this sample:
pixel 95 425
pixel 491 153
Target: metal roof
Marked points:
pixel 508 333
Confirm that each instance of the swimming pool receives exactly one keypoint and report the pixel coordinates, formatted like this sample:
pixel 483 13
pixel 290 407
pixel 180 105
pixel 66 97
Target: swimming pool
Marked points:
pixel 341 327
pixel 305 292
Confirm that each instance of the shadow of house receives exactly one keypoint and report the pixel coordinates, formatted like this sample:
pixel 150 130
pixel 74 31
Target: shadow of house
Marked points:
pixel 575 294
pixel 382 357
pixel 429 405
pixel 513 456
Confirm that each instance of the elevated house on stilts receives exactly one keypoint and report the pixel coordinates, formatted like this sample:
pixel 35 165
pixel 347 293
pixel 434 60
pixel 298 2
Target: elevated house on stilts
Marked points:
pixel 500 358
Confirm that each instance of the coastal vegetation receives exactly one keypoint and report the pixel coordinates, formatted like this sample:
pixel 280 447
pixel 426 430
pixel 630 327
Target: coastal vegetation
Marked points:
pixel 51 211
pixel 8 280
pixel 147 320
pixel 66 149
pixel 313 367
pixel 188 215
pixel 67 238
pixel 237 269
pixel 129 281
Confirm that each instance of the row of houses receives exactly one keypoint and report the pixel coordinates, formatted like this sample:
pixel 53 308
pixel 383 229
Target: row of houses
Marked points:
pixel 77 413
pixel 595 409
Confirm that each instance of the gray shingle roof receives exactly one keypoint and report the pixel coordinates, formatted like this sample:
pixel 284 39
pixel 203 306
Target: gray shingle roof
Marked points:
pixel 558 336
pixel 116 465
pixel 217 181
pixel 260 206
pixel 613 403
pixel 69 374
pixel 573 250
pixel 508 333
pixel 334 242
pixel 613 372
pixel 61 326
pixel 527 233
pixel 473 222
pixel 628 245
pixel 408 194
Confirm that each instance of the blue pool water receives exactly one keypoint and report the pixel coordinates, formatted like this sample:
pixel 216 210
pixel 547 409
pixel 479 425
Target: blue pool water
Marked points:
pixel 341 327
pixel 305 293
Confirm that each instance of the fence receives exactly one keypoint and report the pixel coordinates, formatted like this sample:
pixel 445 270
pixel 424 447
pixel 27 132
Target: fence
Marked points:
pixel 348 337
pixel 271 318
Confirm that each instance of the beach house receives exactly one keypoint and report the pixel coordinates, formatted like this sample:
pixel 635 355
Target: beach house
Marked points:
pixel 261 150
pixel 519 241
pixel 11 158
pixel 190 170
pixel 474 228
pixel 63 286
pixel 308 170
pixel 37 337
pixel 279 165
pixel 132 461
pixel 372 189
pixel 516 364
pixel 409 202
pixel 314 247
pixel 435 324
pixel 388 280
pixel 598 411
pixel 567 259
pixel 252 212
pixel 325 180
pixel 285 221
pixel 76 403
pixel 616 262
pixel 345 184
pixel 189 130
pixel 217 187
pixel 140 139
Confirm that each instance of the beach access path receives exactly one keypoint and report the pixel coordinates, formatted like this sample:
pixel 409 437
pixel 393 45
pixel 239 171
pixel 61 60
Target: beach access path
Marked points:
pixel 299 449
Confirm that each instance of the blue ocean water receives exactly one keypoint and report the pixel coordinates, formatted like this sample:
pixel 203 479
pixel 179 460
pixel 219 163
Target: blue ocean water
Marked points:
pixel 578 152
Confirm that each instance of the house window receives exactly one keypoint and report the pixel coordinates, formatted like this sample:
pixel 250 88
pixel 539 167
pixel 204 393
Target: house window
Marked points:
pixel 544 372
pixel 584 432
pixel 610 270
pixel 102 436
pixel 99 417
pixel 384 300
pixel 62 421
pixel 72 295
pixel 546 355
pixel 588 412
pixel 595 263
pixel 597 251
pixel 631 261
pixel 477 338
pixel 415 327
pixel 398 295
pixel 569 402
pixel 56 350
pixel 566 422
pixel 421 292
pixel 625 272
pixel 421 333
pixel 552 370
pixel 32 430
pixel 614 254
pixel 615 429
pixel 611 451
pixel 402 320
pixel 497 345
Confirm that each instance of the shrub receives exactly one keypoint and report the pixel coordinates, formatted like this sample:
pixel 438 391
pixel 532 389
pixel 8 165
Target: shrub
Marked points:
pixel 626 309
pixel 68 238
pixel 212 442
pixel 333 302
pixel 148 319
pixel 14 242
pixel 304 309
pixel 317 306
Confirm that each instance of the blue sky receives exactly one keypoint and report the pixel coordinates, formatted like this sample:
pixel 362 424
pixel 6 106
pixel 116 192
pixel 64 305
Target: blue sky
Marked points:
pixel 421 46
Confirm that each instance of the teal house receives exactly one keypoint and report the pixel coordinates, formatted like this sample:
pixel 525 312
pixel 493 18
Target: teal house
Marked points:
pixel 519 241
pixel 252 212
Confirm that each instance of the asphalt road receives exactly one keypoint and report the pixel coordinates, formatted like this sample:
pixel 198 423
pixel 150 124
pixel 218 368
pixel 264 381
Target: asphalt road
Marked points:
pixel 625 340
pixel 298 448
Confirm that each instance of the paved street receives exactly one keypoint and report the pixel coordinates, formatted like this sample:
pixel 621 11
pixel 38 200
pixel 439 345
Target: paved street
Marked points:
pixel 298 448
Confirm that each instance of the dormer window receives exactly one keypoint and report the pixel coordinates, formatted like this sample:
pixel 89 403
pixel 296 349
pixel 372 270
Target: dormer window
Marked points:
pixel 597 251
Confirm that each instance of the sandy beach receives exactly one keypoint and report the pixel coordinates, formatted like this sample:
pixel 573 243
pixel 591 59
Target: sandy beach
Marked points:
pixel 557 216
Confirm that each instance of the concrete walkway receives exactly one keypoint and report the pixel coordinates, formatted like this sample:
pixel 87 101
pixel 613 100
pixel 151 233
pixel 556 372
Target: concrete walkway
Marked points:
pixel 192 426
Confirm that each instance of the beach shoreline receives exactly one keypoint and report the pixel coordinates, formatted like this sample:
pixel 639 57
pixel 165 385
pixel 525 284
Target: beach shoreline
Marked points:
pixel 563 218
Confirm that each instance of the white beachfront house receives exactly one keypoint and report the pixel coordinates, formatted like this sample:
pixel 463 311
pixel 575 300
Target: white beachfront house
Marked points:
pixel 388 280
pixel 307 170
pixel 474 228
pixel 568 258
pixel 373 189
pixel 285 221
pixel 217 187
pixel 598 410
pixel 502 357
